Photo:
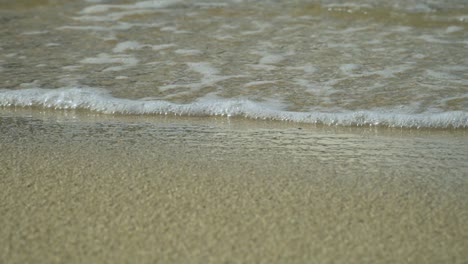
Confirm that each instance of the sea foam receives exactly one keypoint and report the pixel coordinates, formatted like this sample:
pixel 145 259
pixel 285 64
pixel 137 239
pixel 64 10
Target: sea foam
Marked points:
pixel 100 101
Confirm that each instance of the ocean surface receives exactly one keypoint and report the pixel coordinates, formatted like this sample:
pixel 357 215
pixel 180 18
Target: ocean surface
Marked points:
pixel 348 63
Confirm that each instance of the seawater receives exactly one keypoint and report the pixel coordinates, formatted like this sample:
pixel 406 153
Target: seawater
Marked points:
pixel 396 64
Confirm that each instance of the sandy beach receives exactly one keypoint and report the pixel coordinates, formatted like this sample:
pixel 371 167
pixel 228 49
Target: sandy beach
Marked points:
pixel 116 145
pixel 81 188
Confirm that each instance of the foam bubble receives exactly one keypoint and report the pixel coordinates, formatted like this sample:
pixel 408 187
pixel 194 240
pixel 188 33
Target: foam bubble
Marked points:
pixel 260 27
pixel 51 44
pixel 162 46
pixel 432 39
pixel 101 12
pixel 255 83
pixel 209 76
pixel 127 45
pixel 71 67
pixel 262 67
pixel 390 71
pixel 35 32
pixel 203 68
pixel 271 59
pixel 104 58
pixel 308 68
pixel 118 26
pixel 349 69
pixel 452 29
pixel 96 9
pixel 188 52
pixel 211 5
pixel 100 101
pixel 139 5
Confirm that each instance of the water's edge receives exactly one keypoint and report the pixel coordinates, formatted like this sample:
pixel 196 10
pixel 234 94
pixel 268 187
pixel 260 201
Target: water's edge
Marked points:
pixel 99 101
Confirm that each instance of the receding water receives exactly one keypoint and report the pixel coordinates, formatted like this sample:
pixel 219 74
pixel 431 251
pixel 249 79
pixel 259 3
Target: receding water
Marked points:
pixel 92 169
pixel 398 64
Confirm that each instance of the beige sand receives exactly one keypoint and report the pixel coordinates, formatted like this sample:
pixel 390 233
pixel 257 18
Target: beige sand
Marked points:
pixel 81 189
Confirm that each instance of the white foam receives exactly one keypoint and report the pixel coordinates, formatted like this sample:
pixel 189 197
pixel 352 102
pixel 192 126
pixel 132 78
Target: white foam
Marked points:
pixel 319 90
pixel 103 12
pixel 256 83
pixel 127 45
pixel 462 18
pixel 261 27
pixel 356 70
pixel 346 6
pixel 127 61
pixel 209 76
pixel 188 52
pixel 35 32
pixel 308 68
pixel 173 30
pixel 139 5
pixel 349 69
pixel 71 67
pixel 453 29
pixel 114 16
pixel 223 37
pixel 402 29
pixel 117 26
pixel 203 68
pixel 32 84
pixel 51 44
pixel 341 45
pixel 432 39
pixel 96 9
pixel 210 5
pixel 157 4
pixel 447 77
pixel 100 101
pixel 162 46
pixel 419 8
pixel 271 59
pixel 262 67
pixel 440 75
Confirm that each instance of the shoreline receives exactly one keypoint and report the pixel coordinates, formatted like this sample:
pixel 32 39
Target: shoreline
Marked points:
pixel 118 189
pixel 245 122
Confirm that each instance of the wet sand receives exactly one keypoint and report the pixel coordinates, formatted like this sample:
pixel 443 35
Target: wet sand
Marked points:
pixel 81 188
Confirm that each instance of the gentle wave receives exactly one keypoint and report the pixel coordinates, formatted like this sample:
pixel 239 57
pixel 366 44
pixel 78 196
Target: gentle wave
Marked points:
pixel 99 100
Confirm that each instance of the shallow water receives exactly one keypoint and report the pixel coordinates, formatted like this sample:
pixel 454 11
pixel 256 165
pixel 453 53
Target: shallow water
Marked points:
pixel 81 187
pixel 399 64
pixel 95 167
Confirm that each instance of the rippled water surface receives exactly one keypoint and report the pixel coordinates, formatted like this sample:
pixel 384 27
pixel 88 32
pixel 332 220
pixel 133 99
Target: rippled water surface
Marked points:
pixel 403 63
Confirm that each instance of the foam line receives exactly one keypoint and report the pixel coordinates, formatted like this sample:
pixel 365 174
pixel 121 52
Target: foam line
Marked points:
pixel 101 101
